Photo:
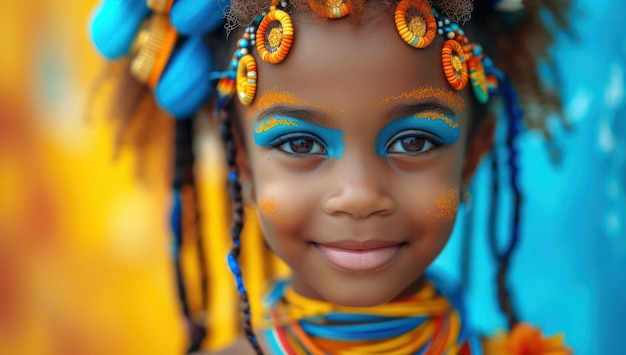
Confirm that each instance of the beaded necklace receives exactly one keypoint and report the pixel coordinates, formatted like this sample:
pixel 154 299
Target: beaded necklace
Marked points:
pixel 424 323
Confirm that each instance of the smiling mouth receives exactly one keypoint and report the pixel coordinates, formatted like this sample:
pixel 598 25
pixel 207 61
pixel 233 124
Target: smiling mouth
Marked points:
pixel 358 256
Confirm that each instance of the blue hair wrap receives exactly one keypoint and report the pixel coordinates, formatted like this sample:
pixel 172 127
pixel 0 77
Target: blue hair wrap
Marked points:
pixel 185 83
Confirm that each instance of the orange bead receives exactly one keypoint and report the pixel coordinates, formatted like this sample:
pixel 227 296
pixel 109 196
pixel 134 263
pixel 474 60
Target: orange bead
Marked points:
pixel 419 31
pixel 273 46
pixel 454 64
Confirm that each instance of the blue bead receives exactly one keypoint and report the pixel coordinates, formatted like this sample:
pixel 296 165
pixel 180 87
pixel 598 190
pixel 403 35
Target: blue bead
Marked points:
pixel 193 17
pixel 243 43
pixel 185 86
pixel 233 265
pixel 114 25
pixel 232 176
pixel 240 286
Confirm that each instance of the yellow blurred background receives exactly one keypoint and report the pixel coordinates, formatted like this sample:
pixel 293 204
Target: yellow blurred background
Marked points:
pixel 85 263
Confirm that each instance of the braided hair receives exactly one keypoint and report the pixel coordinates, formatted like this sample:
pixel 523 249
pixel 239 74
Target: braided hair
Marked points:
pixel 234 187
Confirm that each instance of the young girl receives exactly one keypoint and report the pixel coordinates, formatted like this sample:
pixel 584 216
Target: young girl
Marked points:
pixel 354 128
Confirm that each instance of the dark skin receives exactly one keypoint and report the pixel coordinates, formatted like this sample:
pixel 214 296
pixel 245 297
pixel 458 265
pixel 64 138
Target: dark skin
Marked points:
pixel 341 72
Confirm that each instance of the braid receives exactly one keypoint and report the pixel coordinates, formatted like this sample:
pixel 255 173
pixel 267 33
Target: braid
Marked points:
pixel 185 222
pixel 514 127
pixel 234 186
pixel 513 130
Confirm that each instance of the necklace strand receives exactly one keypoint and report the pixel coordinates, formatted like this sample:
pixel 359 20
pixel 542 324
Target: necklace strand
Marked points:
pixel 424 323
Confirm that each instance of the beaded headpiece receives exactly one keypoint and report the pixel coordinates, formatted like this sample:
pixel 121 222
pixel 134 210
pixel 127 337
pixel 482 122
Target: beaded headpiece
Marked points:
pixel 417 22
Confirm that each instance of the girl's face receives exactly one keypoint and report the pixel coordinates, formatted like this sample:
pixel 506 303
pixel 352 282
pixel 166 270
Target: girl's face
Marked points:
pixel 356 152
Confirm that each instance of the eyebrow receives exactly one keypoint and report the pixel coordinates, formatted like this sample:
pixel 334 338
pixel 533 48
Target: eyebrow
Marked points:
pixel 306 114
pixel 449 97
pixel 277 97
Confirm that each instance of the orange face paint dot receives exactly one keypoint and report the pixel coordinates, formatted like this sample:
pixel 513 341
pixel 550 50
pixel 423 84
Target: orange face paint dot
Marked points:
pixel 447 205
pixel 270 209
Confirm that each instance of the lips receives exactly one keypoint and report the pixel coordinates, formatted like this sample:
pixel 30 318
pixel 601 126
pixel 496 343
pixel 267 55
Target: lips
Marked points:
pixel 360 255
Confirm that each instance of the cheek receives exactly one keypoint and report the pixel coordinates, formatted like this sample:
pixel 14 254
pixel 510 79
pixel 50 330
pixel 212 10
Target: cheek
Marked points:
pixel 271 210
pixel 446 205
pixel 431 197
pixel 286 202
pixel 285 218
pixel 433 211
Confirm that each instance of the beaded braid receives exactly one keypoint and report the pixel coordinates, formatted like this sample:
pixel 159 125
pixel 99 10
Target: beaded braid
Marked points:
pixel 514 128
pixel 234 187
pixel 503 258
pixel 184 214
pixel 182 175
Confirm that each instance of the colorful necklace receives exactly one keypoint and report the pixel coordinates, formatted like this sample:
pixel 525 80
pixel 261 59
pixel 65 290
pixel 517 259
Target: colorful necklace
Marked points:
pixel 425 323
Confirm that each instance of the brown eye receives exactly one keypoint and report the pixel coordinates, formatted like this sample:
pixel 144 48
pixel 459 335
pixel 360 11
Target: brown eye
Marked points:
pixel 300 145
pixel 412 143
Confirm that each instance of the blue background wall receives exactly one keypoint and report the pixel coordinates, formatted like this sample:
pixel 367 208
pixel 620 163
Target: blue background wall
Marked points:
pixel 569 270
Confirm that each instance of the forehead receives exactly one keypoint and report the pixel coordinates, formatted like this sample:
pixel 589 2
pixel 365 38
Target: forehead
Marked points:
pixel 335 62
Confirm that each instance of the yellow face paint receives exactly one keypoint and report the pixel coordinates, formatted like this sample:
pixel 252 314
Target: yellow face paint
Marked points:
pixel 448 97
pixel 438 116
pixel 270 209
pixel 273 122
pixel 447 205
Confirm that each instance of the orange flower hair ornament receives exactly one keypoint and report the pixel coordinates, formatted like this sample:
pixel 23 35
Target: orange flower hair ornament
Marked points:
pixel 525 339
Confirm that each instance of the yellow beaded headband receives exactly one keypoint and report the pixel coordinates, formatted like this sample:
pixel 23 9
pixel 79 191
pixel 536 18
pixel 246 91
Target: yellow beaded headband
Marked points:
pixel 417 22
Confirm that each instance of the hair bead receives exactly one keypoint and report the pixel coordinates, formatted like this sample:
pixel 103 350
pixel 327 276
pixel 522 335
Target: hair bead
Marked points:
pixel 333 9
pixel 160 6
pixel 152 49
pixel 454 64
pixel 478 79
pixel 274 36
pixel 415 23
pixel 246 79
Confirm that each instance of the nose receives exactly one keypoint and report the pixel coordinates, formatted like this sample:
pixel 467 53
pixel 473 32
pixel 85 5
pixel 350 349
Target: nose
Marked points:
pixel 359 191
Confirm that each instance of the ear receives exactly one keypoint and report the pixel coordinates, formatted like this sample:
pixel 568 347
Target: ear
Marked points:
pixel 480 142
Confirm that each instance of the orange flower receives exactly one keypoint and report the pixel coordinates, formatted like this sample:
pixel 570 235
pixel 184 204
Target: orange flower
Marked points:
pixel 525 339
